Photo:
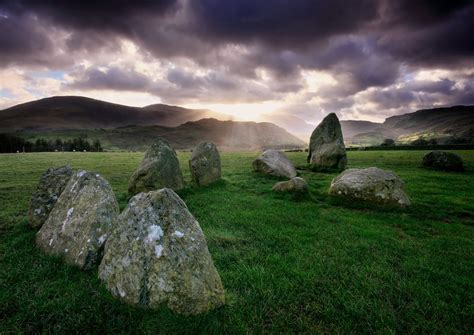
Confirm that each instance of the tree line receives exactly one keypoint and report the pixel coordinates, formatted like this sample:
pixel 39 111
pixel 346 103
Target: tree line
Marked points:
pixel 10 143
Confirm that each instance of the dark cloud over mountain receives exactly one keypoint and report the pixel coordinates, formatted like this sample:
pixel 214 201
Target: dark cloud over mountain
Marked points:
pixel 244 50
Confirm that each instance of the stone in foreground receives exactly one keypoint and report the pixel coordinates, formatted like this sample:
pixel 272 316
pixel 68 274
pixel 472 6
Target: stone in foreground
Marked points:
pixel 160 168
pixel 51 185
pixel 274 163
pixel 205 164
pixel 81 221
pixel 158 256
pixel 372 185
pixel 326 146
pixel 294 185
pixel 442 160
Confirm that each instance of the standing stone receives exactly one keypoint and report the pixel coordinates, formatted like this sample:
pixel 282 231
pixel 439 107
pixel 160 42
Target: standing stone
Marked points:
pixel 205 164
pixel 158 256
pixel 372 185
pixel 294 185
pixel 274 163
pixel 50 187
pixel 326 145
pixel 442 160
pixel 81 221
pixel 160 168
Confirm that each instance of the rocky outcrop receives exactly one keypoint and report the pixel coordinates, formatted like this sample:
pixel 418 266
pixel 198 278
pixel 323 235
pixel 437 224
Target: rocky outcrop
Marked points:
pixel 158 256
pixel 326 146
pixel 442 160
pixel 205 164
pixel 51 185
pixel 372 185
pixel 274 163
pixel 294 185
pixel 80 221
pixel 160 168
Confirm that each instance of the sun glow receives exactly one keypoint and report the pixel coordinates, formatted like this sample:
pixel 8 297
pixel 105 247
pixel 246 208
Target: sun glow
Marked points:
pixel 243 111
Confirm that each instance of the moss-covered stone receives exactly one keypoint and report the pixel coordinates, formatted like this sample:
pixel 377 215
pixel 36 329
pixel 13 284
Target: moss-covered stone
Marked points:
pixel 81 221
pixel 51 185
pixel 205 164
pixel 158 255
pixel 159 168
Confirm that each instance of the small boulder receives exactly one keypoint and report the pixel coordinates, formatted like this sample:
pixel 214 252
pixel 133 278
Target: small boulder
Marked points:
pixel 158 255
pixel 294 185
pixel 51 185
pixel 326 146
pixel 274 163
pixel 80 221
pixel 442 160
pixel 372 185
pixel 160 168
pixel 205 164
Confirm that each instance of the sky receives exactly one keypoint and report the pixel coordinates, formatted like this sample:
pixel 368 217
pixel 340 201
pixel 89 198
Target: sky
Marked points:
pixel 287 61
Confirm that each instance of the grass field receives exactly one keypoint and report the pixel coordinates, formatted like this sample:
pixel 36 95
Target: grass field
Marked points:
pixel 318 265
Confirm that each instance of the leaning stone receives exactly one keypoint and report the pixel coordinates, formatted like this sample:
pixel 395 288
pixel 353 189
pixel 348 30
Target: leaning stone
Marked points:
pixel 81 221
pixel 442 160
pixel 294 185
pixel 51 185
pixel 158 256
pixel 326 145
pixel 372 185
pixel 205 164
pixel 274 163
pixel 160 168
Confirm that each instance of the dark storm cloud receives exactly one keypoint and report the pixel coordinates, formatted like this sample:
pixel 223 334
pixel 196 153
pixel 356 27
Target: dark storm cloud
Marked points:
pixel 112 78
pixel 363 44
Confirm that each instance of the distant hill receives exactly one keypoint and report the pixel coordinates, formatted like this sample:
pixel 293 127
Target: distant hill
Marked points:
pixel 73 112
pixel 227 135
pixel 440 123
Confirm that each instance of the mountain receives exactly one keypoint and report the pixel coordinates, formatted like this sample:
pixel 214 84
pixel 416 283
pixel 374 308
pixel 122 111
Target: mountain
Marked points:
pixel 73 112
pixel 351 128
pixel 227 135
pixel 121 127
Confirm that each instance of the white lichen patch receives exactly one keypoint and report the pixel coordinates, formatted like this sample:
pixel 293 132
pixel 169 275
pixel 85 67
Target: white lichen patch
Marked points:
pixel 38 211
pixel 158 250
pixel 154 234
pixel 102 239
pixel 51 241
pixel 68 217
pixel 81 173
pixel 178 234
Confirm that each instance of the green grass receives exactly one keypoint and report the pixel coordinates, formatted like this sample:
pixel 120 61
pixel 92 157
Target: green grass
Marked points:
pixel 318 265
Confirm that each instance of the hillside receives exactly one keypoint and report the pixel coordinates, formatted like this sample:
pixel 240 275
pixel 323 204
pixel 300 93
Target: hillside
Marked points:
pixel 72 112
pixel 227 135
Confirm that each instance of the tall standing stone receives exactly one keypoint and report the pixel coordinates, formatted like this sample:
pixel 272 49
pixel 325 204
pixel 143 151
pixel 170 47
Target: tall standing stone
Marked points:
pixel 81 221
pixel 51 185
pixel 158 256
pixel 326 145
pixel 205 164
pixel 160 168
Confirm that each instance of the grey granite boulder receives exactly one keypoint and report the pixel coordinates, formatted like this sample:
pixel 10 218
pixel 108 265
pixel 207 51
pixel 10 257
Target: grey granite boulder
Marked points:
pixel 51 185
pixel 274 163
pixel 158 256
pixel 372 185
pixel 326 146
pixel 442 160
pixel 205 164
pixel 80 221
pixel 294 185
pixel 159 168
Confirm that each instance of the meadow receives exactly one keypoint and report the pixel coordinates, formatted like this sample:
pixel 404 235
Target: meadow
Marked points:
pixel 311 265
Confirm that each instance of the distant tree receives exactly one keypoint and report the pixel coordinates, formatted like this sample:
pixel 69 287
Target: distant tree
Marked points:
pixel 96 146
pixel 433 141
pixel 420 141
pixel 387 142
